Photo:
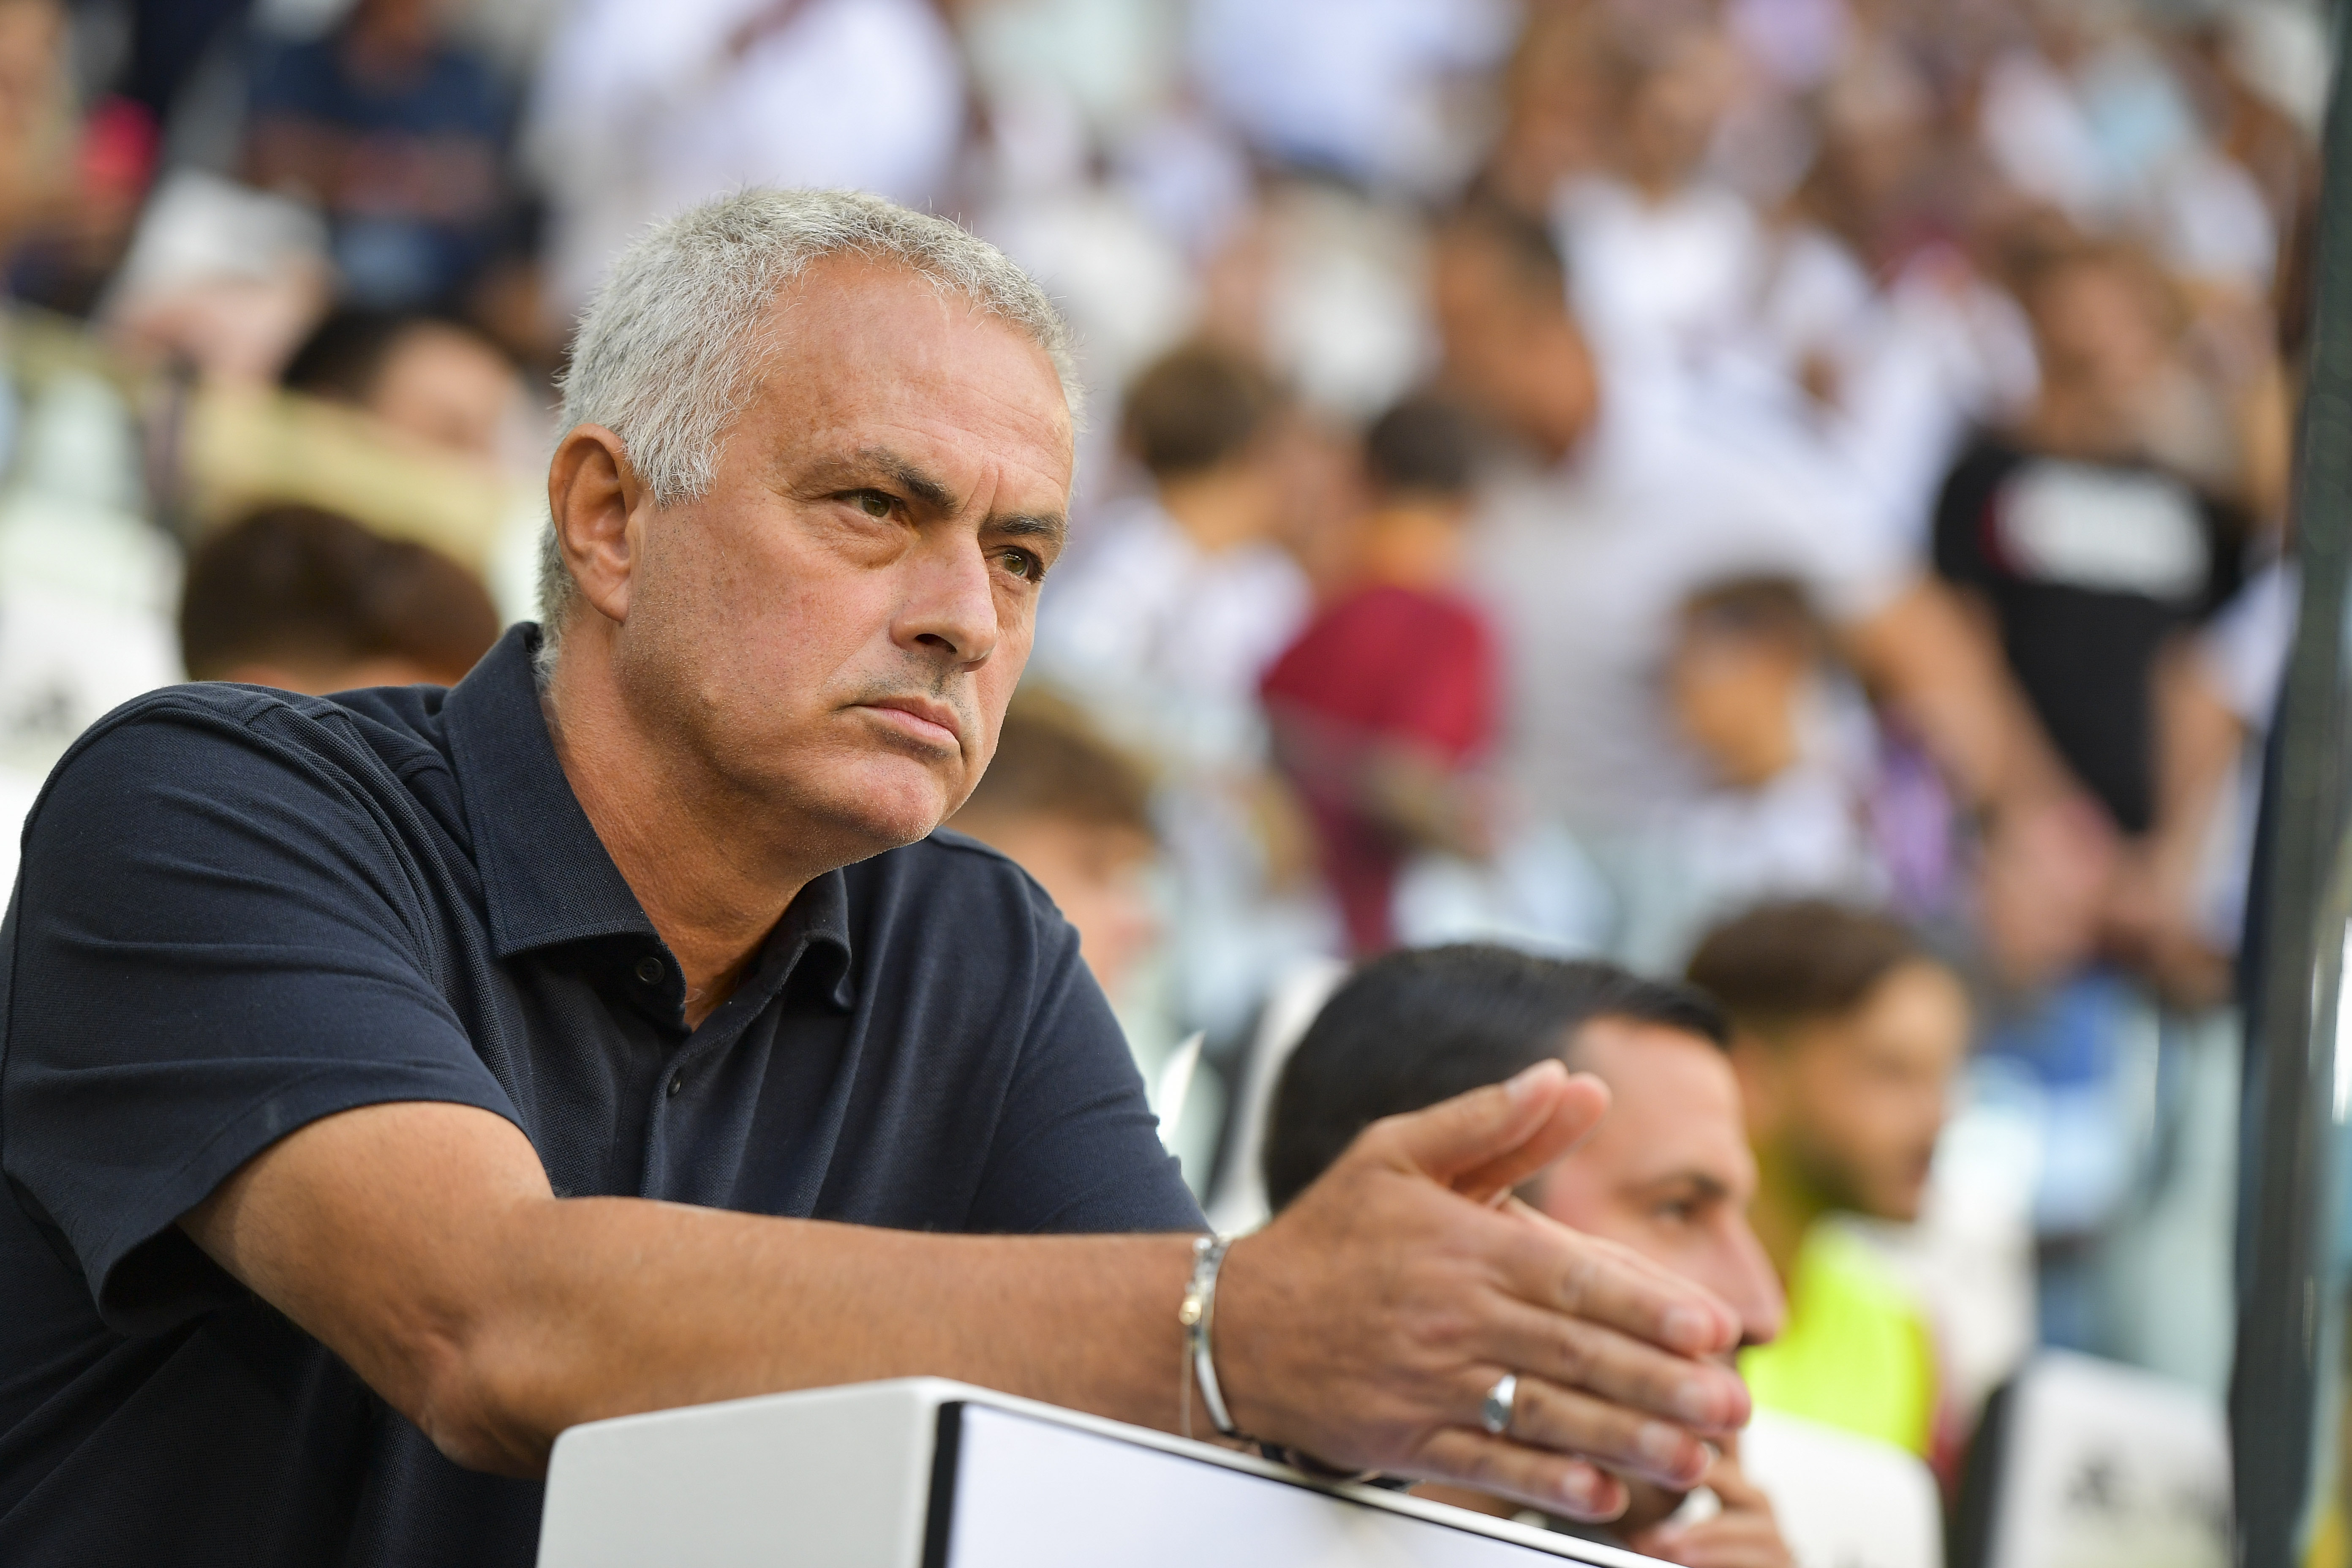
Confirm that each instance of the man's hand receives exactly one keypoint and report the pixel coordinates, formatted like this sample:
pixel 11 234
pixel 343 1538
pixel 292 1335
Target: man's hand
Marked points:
pixel 1744 1535
pixel 1366 1324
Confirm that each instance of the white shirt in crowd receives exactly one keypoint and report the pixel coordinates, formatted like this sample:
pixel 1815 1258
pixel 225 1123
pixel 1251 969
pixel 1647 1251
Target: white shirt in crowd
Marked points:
pixel 1168 641
pixel 1586 567
pixel 640 110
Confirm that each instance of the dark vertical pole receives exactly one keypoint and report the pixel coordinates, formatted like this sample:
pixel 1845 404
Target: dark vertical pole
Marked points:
pixel 2287 1303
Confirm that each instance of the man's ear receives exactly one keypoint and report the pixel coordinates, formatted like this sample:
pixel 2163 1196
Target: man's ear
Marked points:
pixel 595 498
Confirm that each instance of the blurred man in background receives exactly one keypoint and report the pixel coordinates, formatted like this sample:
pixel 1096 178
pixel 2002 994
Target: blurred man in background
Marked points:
pixel 306 601
pixel 1625 500
pixel 1666 1175
pixel 1847 1038
pixel 434 381
pixel 1075 812
pixel 399 132
pixel 1161 628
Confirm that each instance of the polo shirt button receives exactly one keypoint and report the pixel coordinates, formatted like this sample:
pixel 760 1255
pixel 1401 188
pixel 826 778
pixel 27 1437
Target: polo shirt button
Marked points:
pixel 676 1083
pixel 649 970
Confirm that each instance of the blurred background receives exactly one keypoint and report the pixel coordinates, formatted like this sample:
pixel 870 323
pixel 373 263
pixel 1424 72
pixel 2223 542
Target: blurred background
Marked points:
pixel 1565 472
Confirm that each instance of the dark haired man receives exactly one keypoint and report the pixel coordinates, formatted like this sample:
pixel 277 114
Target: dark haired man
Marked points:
pixel 1847 1035
pixel 307 600
pixel 1666 1175
pixel 433 380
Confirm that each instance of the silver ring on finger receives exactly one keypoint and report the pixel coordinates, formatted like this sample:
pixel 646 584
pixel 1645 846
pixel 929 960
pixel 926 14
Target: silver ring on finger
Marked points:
pixel 1495 1414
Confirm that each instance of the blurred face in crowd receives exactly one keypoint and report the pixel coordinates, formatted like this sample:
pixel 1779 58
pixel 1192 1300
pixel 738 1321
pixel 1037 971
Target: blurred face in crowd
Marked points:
pixel 1734 698
pixel 445 387
pixel 1668 1172
pixel 1668 115
pixel 831 632
pixel 1856 1102
pixel 1095 872
pixel 2099 327
pixel 1511 346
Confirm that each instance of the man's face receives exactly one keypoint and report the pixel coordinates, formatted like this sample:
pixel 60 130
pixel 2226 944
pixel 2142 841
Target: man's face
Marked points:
pixel 1511 348
pixel 1857 1102
pixel 832 631
pixel 1668 1172
pixel 447 388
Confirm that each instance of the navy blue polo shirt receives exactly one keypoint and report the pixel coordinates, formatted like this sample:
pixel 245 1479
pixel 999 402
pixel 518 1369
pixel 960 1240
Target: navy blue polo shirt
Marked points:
pixel 239 911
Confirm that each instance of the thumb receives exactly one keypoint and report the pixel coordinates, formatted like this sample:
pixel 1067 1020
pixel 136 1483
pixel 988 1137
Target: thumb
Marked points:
pixel 1488 1141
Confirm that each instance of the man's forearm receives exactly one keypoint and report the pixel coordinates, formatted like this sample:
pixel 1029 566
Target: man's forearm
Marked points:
pixel 1945 675
pixel 619 1305
pixel 528 1314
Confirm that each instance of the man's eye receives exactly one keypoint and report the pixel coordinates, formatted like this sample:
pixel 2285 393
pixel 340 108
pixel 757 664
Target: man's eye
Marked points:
pixel 1021 563
pixel 875 504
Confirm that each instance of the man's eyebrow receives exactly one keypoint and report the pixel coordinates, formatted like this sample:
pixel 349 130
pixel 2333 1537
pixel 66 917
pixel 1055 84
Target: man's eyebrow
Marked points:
pixel 1051 526
pixel 868 463
pixel 881 462
pixel 1698 1182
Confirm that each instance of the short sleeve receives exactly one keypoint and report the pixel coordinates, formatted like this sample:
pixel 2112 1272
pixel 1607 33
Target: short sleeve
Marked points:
pixel 213 942
pixel 1077 1150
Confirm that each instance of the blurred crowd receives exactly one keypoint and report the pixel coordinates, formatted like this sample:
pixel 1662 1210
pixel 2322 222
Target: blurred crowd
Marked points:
pixel 1790 492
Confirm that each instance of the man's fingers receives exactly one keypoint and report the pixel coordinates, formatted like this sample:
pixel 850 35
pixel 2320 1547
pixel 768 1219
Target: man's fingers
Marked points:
pixel 1551 1482
pixel 1563 1271
pixel 1729 1483
pixel 1484 1143
pixel 1546 1416
pixel 1705 1398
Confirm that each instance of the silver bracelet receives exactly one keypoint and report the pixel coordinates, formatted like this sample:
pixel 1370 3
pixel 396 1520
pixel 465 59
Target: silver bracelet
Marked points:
pixel 1198 1314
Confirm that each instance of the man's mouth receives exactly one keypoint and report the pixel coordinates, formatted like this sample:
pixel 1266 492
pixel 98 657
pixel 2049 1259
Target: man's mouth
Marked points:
pixel 931 724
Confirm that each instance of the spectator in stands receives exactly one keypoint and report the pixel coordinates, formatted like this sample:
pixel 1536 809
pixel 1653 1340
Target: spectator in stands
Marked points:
pixel 1622 503
pixel 1846 1035
pixel 308 601
pixel 1161 628
pixel 639 111
pixel 1075 812
pixel 1185 597
pixel 442 383
pixel 1387 700
pixel 2094 555
pixel 1751 685
pixel 1667 1174
pixel 400 134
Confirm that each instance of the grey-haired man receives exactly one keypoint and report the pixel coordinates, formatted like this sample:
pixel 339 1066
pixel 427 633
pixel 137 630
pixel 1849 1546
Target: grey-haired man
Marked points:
pixel 392 1082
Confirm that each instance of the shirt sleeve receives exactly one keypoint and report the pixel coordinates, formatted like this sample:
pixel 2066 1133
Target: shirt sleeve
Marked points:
pixel 214 941
pixel 1077 1150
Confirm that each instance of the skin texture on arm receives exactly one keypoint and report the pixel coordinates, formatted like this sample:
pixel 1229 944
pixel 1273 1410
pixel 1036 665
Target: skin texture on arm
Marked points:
pixel 1942 671
pixel 422 1244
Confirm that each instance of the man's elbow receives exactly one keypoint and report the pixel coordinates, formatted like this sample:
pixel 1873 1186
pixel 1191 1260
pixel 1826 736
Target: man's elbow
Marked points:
pixel 482 1399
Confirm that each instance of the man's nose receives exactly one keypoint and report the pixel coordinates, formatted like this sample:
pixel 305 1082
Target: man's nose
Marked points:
pixel 947 609
pixel 1744 1279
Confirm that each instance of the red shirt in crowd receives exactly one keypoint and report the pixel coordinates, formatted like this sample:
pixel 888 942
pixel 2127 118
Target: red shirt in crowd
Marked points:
pixel 1382 669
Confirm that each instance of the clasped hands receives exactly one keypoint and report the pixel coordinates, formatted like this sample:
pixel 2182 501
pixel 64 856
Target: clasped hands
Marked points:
pixel 1366 1324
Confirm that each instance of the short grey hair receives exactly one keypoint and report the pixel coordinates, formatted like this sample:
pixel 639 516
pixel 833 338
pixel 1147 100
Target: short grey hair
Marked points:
pixel 670 345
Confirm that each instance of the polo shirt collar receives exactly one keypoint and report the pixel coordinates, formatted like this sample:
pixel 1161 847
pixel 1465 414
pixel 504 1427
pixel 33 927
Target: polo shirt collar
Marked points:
pixel 546 876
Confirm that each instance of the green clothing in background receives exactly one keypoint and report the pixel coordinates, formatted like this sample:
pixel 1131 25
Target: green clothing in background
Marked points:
pixel 1855 1352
